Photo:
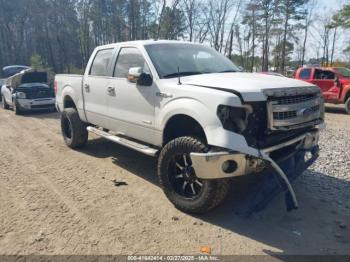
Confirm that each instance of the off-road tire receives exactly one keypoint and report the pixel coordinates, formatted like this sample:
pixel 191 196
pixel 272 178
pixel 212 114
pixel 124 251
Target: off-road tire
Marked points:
pixel 16 108
pixel 213 191
pixel 4 104
pixel 347 106
pixel 73 129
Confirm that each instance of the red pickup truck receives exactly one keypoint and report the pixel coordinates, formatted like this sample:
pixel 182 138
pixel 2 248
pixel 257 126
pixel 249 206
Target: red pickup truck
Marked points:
pixel 333 81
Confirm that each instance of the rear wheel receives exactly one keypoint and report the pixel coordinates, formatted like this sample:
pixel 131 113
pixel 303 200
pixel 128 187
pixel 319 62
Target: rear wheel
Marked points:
pixel 73 129
pixel 179 181
pixel 347 106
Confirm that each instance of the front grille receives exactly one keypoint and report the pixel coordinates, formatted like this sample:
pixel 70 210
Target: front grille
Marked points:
pixel 294 110
pixel 42 106
pixel 293 99
pixel 292 114
pixel 39 94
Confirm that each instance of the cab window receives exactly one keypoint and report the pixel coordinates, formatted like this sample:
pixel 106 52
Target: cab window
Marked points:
pixel 305 73
pixel 100 65
pixel 324 75
pixel 129 57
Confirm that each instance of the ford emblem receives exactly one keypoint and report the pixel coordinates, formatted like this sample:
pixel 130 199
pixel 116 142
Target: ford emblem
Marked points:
pixel 305 112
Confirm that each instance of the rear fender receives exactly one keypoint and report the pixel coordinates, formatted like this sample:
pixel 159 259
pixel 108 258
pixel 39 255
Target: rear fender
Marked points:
pixel 69 91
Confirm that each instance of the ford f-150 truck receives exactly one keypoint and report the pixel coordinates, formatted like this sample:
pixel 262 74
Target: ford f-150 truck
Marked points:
pixel 190 106
pixel 334 83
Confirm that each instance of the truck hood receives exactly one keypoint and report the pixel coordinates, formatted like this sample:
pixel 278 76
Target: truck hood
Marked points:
pixel 250 86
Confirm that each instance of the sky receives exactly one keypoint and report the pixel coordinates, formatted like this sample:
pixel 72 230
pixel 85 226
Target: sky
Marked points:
pixel 326 8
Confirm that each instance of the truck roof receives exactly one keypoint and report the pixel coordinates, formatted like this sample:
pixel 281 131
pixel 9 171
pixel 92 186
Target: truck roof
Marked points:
pixel 145 42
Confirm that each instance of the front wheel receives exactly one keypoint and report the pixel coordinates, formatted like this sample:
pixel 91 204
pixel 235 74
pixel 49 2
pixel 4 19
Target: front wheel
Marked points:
pixel 73 129
pixel 178 178
pixel 16 108
pixel 347 106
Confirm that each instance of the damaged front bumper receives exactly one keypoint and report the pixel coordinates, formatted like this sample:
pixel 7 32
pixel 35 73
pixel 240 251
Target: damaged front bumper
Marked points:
pixel 218 165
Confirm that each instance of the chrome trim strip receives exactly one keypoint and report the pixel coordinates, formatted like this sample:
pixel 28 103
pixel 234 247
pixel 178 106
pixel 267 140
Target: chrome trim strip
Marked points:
pixel 295 107
pixel 123 141
pixel 285 144
pixel 296 121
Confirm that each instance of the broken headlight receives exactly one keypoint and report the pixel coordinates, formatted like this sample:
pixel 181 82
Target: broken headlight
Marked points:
pixel 233 119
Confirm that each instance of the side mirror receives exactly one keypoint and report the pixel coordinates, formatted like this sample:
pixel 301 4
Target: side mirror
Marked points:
pixel 145 80
pixel 134 74
pixel 137 76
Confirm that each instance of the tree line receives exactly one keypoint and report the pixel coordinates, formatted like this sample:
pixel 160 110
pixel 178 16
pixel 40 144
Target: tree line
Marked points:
pixel 255 34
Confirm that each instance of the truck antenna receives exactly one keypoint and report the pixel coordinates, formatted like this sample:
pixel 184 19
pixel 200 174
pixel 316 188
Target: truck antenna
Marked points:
pixel 178 73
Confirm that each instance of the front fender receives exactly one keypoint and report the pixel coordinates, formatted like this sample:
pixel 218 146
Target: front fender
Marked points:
pixel 216 135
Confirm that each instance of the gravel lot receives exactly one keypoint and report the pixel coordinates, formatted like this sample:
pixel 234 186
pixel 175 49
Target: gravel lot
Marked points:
pixel 105 200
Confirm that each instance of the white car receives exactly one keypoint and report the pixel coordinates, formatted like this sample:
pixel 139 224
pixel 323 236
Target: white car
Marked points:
pixel 28 91
pixel 191 107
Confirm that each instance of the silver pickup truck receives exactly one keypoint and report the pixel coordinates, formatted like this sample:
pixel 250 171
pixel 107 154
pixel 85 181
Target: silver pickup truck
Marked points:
pixel 190 106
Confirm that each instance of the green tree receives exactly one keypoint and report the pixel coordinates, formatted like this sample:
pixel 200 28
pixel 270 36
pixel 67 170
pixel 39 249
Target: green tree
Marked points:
pixel 36 62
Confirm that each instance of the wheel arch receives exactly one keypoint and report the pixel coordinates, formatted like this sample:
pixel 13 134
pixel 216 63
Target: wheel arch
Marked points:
pixel 347 95
pixel 180 125
pixel 189 111
pixel 68 102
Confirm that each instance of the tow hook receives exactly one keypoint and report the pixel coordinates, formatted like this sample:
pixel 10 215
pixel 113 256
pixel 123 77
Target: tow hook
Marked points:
pixel 291 200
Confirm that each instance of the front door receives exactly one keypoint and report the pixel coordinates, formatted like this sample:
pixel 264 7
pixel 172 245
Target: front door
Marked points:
pixel 324 79
pixel 95 88
pixel 131 106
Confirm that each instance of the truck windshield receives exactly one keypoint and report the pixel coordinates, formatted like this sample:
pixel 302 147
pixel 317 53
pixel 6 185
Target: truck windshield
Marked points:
pixel 343 71
pixel 173 60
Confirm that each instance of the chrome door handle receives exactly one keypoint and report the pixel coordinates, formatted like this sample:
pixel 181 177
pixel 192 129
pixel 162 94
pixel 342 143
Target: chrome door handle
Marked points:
pixel 111 91
pixel 164 95
pixel 87 88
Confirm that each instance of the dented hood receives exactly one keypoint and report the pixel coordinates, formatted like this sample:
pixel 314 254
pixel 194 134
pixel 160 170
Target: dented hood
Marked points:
pixel 250 86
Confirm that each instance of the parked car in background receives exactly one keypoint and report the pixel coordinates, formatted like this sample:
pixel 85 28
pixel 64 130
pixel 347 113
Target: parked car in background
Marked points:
pixel 9 71
pixel 334 83
pixel 28 91
pixel 193 108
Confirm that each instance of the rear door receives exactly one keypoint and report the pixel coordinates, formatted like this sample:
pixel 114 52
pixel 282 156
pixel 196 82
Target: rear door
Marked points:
pixel 95 87
pixel 324 79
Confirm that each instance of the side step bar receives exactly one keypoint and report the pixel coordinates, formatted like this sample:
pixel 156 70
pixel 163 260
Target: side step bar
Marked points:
pixel 145 149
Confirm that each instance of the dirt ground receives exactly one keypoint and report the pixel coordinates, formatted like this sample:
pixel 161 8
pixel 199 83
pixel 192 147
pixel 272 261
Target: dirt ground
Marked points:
pixel 105 199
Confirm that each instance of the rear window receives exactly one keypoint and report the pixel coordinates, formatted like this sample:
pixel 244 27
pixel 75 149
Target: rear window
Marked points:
pixel 343 71
pixel 305 74
pixel 100 65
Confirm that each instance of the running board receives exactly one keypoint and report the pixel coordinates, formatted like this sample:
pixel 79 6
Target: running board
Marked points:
pixel 145 149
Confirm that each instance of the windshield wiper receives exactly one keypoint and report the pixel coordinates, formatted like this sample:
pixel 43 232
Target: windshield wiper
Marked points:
pixel 228 71
pixel 182 74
